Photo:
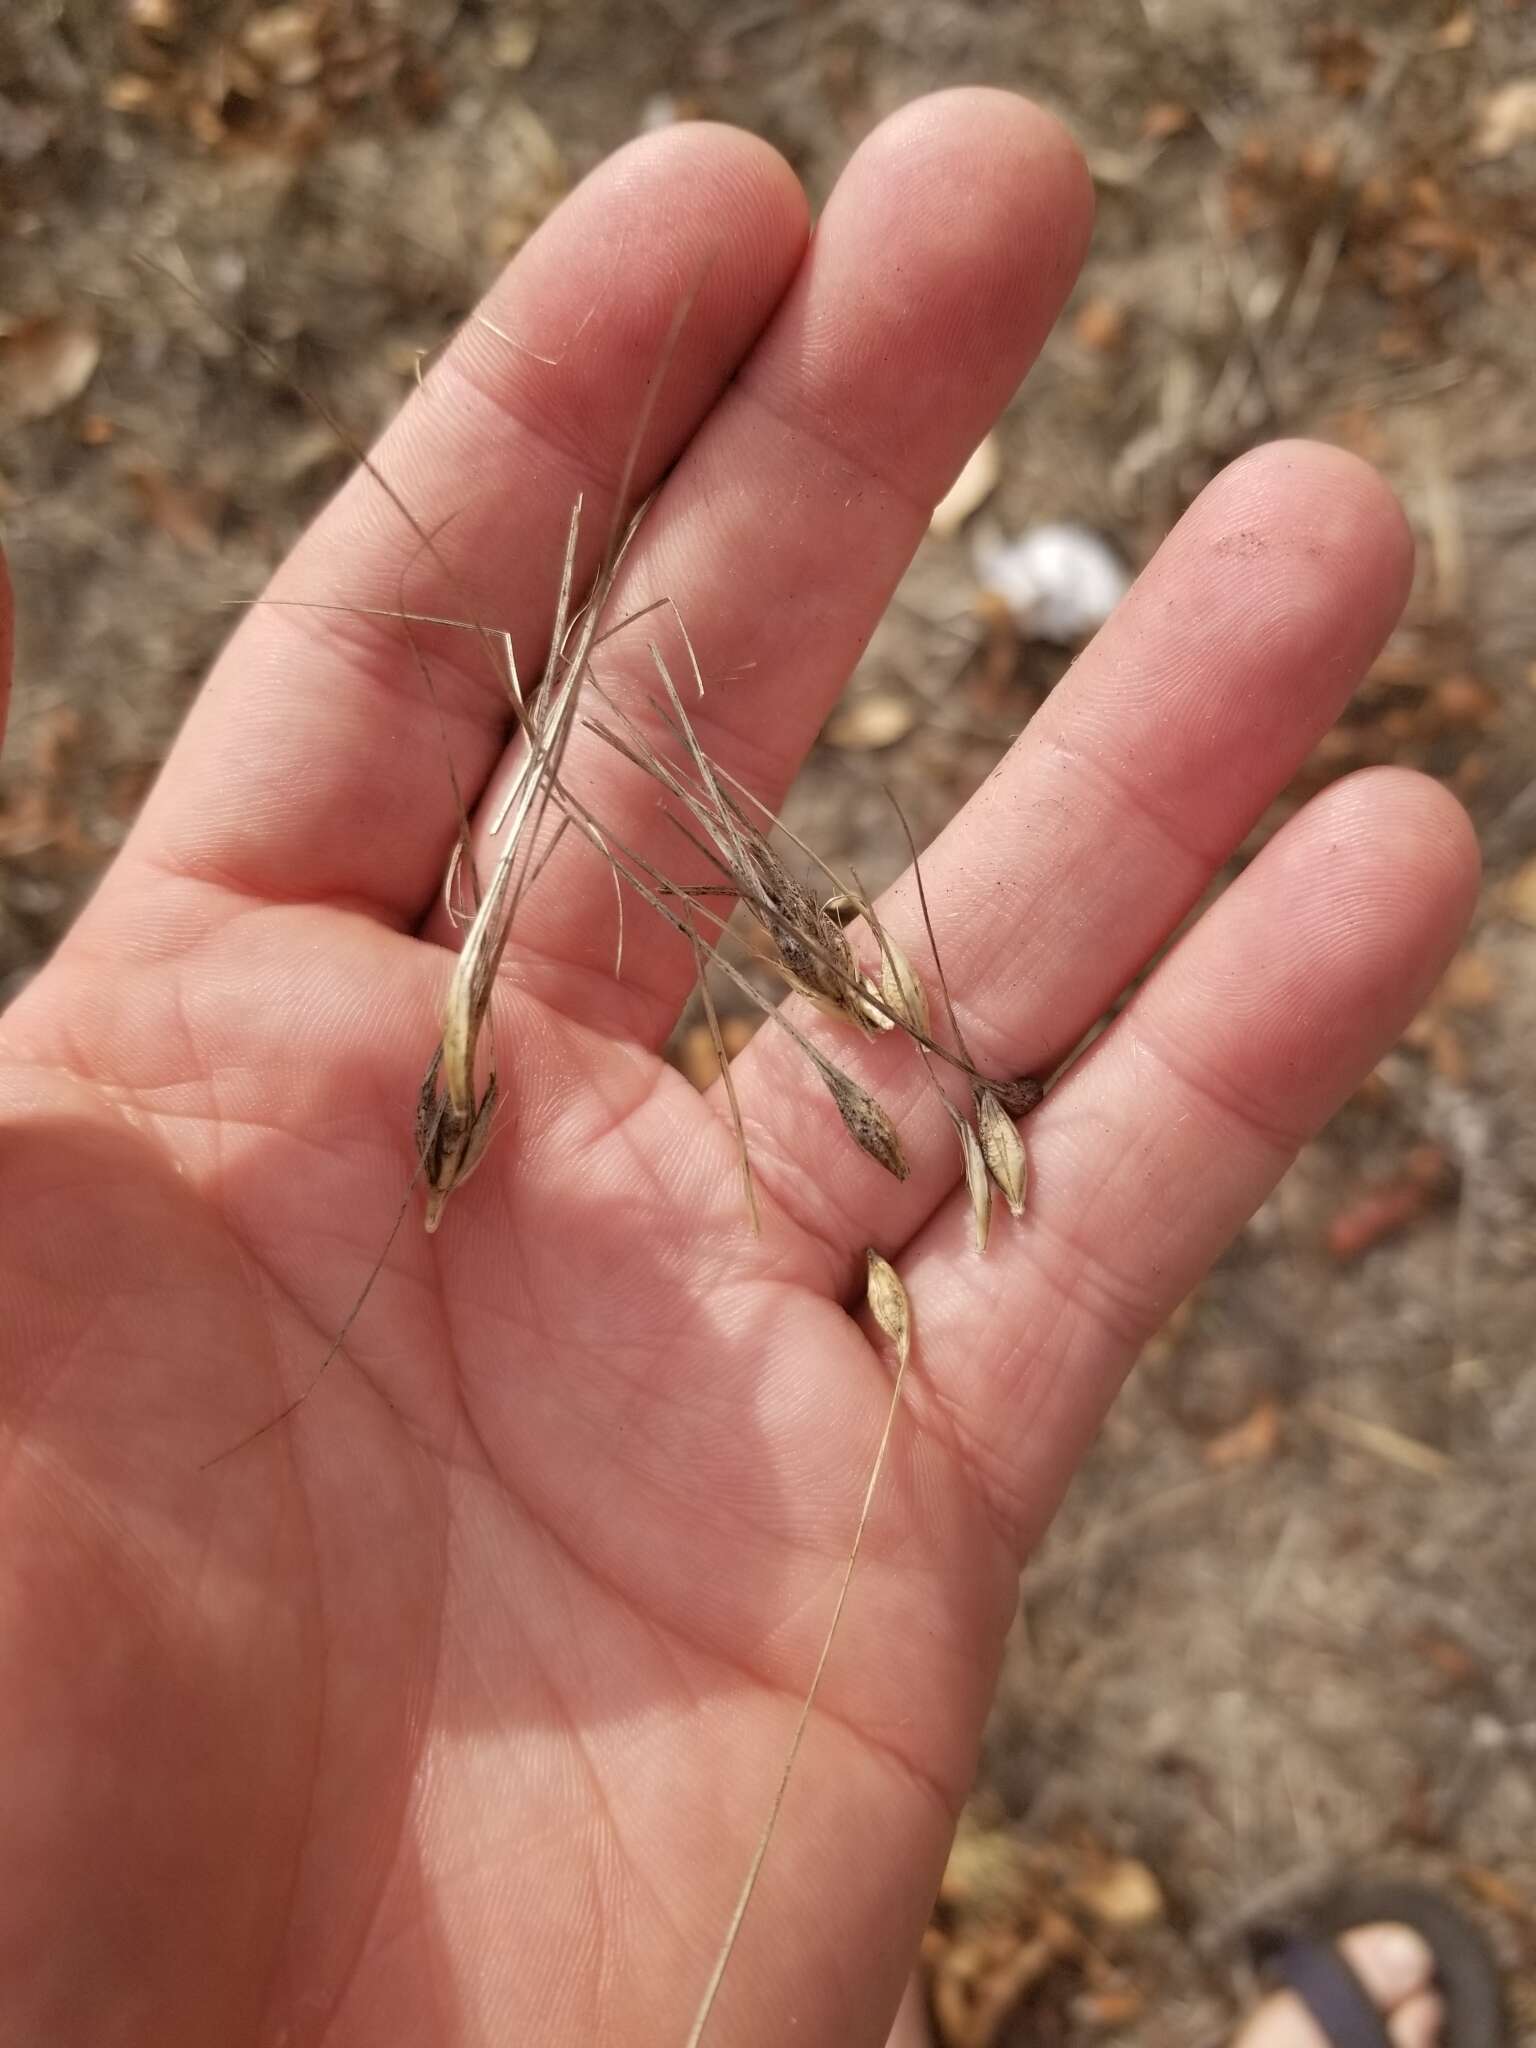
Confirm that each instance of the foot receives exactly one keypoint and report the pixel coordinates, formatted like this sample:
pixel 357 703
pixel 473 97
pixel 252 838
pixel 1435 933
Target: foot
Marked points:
pixel 1396 1967
pixel 1392 1962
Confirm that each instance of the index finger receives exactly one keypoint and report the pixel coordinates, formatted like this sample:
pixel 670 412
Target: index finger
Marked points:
pixel 315 765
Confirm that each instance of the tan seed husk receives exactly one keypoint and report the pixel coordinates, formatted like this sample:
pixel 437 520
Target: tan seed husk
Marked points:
pixel 1002 1148
pixel 978 1185
pixel 901 988
pixel 867 1123
pixel 888 1303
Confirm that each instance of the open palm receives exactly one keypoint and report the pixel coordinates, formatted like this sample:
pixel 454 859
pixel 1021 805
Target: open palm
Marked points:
pixel 447 1712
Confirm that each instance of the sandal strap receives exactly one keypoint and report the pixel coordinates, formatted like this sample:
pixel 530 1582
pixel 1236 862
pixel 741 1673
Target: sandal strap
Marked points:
pixel 1339 2003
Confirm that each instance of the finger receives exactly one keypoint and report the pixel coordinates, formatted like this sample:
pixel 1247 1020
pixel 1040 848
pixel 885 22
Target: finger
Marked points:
pixel 935 273
pixel 1100 831
pixel 1164 1139
pixel 315 765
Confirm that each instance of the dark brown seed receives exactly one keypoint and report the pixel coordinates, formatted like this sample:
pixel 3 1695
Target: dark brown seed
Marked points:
pixel 867 1123
pixel 1018 1097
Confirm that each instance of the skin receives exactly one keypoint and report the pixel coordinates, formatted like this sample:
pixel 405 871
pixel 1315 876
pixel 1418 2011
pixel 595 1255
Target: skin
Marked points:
pixel 448 1712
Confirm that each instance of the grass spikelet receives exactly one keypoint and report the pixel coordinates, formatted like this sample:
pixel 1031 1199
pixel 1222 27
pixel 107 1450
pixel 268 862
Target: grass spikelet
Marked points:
pixel 1002 1148
pixel 888 1303
pixel 977 1181
pixel 900 988
pixel 866 1122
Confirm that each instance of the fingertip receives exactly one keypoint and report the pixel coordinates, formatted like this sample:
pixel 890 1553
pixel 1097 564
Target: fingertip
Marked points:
pixel 1001 169
pixel 1016 134
pixel 745 183
pixel 1414 840
pixel 573 329
pixel 1392 1960
pixel 940 262
pixel 1324 511
pixel 1324 950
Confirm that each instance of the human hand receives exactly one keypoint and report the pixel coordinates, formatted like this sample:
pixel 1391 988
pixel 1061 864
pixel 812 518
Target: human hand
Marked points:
pixel 448 1711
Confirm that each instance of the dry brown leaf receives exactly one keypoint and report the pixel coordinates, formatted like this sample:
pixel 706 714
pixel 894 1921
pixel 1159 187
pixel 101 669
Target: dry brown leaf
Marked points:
pixel 1166 118
pixel 969 491
pixel 515 43
pixel 55 737
pixel 1498 1892
pixel 1452 1660
pixel 1448 1055
pixel 27 823
pixel 45 362
pixel 1345 60
pixel 863 724
pixel 1116 2006
pixel 1464 701
pixel 1459 33
pixel 1506 119
pixel 177 511
pixel 129 93
pixel 1253 1441
pixel 1471 982
pixel 987 1872
pixel 1520 893
pixel 980 1982
pixel 888 1303
pixel 1365 1220
pixel 1099 325
pixel 285 42
pixel 1123 1893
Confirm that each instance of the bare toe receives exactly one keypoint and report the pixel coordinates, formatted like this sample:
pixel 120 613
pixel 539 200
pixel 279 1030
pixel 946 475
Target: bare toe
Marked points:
pixel 1419 2022
pixel 1395 1966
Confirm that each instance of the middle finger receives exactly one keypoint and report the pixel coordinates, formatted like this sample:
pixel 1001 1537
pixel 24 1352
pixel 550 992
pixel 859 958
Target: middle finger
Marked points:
pixel 935 273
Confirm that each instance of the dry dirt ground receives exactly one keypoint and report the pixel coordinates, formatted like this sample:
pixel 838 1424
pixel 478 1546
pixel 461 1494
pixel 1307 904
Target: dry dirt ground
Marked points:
pixel 1286 1625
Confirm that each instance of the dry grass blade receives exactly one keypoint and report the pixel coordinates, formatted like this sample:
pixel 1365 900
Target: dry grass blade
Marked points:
pixel 1002 1148
pixel 890 1289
